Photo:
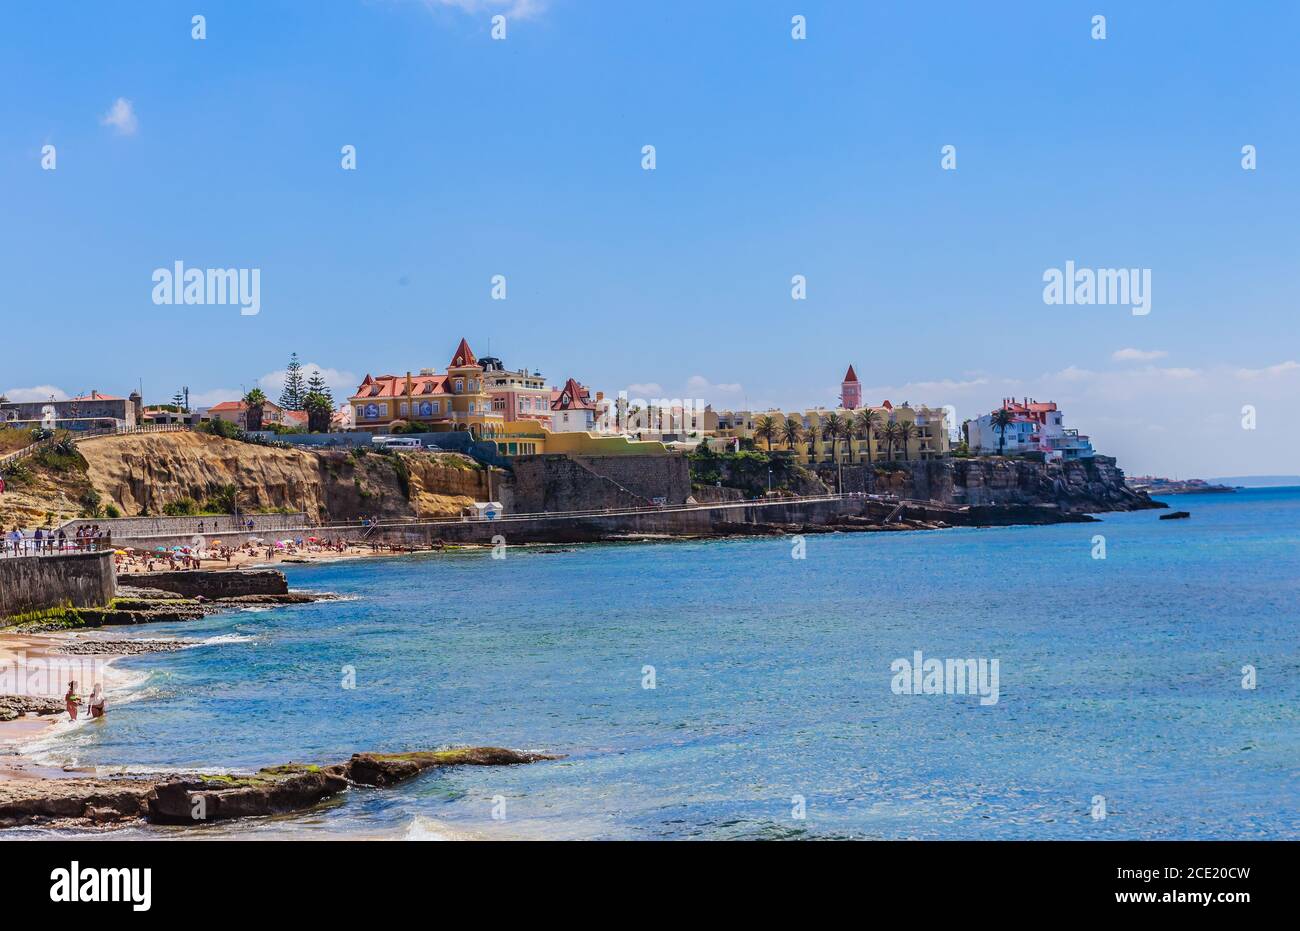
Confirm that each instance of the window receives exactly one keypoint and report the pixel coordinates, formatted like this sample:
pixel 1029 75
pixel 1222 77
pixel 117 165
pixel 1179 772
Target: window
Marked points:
pixel 361 411
pixel 383 410
pixel 405 409
pixel 437 407
pixel 460 385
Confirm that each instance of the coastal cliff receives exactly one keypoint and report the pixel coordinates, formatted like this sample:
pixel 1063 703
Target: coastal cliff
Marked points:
pixel 1083 486
pixel 139 474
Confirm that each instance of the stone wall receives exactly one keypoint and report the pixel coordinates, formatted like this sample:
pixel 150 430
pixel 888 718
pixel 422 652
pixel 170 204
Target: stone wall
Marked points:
pixel 214 584
pixel 123 528
pixel 563 483
pixel 650 477
pixel 37 583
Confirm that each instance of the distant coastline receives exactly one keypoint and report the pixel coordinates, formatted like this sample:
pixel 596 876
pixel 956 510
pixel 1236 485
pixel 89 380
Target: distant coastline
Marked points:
pixel 1259 481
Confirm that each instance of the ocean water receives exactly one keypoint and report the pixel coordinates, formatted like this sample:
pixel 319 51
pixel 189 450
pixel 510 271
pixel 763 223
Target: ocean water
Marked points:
pixel 1119 678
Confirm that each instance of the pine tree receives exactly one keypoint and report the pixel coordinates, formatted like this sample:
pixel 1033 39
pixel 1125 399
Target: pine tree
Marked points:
pixel 292 395
pixel 316 385
pixel 319 403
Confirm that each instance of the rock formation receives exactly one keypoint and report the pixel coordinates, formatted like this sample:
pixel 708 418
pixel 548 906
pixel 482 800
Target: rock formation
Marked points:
pixel 204 798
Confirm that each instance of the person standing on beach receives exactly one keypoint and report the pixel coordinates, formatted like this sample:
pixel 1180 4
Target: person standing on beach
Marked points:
pixel 97 701
pixel 71 700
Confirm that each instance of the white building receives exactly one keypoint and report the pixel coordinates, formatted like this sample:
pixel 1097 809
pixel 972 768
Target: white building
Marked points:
pixel 573 410
pixel 1035 427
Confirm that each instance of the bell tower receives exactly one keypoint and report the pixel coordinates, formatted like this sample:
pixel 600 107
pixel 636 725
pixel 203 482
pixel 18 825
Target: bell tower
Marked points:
pixel 850 391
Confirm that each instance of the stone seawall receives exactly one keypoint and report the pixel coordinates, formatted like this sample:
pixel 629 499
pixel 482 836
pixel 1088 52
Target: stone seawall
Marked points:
pixel 715 520
pixel 214 584
pixel 563 483
pixel 38 583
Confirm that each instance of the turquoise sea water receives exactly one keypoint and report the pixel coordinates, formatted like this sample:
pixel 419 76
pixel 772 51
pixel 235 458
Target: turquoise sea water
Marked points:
pixel 1119 678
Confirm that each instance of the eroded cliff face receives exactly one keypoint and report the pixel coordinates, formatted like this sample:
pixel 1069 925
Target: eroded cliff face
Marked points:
pixel 142 473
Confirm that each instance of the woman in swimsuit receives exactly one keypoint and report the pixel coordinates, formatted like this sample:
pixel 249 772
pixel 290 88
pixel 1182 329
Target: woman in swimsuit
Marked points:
pixel 72 700
pixel 97 701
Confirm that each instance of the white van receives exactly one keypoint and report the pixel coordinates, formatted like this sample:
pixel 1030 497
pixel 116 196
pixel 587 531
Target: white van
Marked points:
pixel 398 442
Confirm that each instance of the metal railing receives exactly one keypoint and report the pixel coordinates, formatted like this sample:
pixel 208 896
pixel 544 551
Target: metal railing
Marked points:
pixel 52 546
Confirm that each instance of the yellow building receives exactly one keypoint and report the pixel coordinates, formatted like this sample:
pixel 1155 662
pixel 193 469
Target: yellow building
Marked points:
pixel 924 430
pixel 458 400
pixel 530 437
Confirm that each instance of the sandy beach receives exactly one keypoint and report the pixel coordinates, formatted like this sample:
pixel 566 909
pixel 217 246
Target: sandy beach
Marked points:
pixel 32 665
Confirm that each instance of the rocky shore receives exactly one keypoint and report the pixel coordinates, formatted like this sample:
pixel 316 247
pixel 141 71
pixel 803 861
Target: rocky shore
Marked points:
pixel 152 598
pixel 200 798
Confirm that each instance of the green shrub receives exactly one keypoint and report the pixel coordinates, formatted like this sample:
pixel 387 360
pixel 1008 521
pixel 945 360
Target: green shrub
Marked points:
pixel 223 500
pixel 90 503
pixel 181 507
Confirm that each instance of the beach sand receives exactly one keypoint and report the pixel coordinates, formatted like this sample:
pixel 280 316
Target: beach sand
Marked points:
pixel 20 656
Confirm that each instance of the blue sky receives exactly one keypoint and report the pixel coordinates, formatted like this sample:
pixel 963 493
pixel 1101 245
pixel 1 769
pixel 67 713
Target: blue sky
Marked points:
pixel 774 158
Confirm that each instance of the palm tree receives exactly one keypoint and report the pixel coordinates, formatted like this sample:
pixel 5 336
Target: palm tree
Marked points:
pixel 890 435
pixel 810 434
pixel 847 432
pixel 833 429
pixel 766 429
pixel 905 432
pixel 255 400
pixel 1002 418
pixel 864 423
pixel 790 432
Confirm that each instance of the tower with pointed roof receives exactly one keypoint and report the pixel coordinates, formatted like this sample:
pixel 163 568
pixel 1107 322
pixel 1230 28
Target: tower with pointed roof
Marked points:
pixel 850 391
pixel 470 402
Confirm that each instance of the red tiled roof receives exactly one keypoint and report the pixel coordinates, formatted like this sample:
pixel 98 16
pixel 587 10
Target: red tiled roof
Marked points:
pixel 850 376
pixel 96 396
pixel 394 386
pixel 228 406
pixel 572 397
pixel 463 356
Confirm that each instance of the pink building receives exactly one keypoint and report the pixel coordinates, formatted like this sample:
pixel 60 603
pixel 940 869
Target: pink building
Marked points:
pixel 521 395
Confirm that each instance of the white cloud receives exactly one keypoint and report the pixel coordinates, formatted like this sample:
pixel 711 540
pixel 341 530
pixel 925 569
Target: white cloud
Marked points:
pixel 36 393
pixel 121 116
pixel 207 398
pixel 1272 371
pixel 700 386
pixel 650 389
pixel 340 383
pixel 1138 355
pixel 514 9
